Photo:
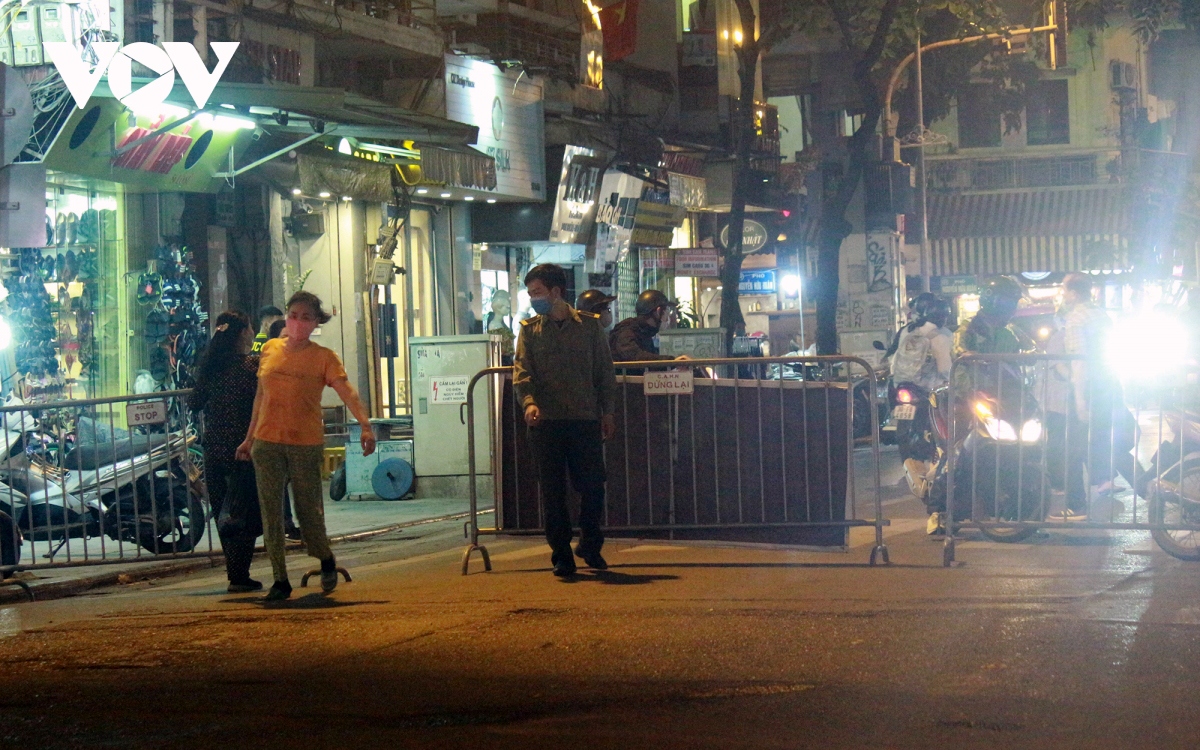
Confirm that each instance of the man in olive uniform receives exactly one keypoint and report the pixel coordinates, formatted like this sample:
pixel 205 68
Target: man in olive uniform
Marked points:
pixel 563 378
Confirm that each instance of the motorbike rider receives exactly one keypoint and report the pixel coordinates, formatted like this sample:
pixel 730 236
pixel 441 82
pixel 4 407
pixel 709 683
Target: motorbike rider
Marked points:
pixel 633 339
pixel 597 304
pixel 989 331
pixel 921 362
pixel 914 305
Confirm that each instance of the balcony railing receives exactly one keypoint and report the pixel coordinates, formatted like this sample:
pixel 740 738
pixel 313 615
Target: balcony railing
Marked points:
pixel 1000 174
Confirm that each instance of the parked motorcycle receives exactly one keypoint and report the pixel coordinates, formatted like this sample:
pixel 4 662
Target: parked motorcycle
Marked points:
pixel 137 488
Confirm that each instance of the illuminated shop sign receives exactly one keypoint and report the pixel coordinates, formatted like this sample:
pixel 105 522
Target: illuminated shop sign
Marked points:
pixel 507 109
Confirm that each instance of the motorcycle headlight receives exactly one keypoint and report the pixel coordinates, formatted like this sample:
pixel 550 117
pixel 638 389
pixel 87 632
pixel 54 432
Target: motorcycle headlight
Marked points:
pixel 1000 430
pixel 1031 432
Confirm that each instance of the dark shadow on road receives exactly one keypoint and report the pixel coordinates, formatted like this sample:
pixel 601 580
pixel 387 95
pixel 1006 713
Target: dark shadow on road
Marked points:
pixel 765 565
pixel 307 601
pixel 617 578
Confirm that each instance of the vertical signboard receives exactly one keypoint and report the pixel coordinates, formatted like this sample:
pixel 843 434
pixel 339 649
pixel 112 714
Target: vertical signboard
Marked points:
pixel 507 109
pixel 619 194
pixel 578 189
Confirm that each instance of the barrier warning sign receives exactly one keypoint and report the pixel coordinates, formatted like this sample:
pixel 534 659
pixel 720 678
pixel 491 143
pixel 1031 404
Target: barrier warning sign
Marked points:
pixel 670 383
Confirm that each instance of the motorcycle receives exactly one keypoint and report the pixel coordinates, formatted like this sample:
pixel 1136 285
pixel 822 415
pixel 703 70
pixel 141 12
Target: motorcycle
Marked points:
pixel 998 474
pixel 1172 487
pixel 136 488
pixel 918 423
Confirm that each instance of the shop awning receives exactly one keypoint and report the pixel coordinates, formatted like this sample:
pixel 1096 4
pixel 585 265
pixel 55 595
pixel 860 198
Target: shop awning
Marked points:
pixel 179 150
pixel 354 115
pixel 1045 229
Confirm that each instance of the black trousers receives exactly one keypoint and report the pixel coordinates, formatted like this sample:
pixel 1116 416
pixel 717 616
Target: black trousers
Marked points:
pixel 576 445
pixel 239 551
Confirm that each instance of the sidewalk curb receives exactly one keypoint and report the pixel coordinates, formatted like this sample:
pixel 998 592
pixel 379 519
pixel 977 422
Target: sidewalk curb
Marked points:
pixel 10 594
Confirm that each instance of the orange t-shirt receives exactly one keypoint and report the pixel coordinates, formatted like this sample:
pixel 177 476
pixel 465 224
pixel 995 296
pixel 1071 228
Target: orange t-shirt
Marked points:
pixel 291 383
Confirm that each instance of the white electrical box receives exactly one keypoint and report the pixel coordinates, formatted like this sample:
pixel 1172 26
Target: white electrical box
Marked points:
pixel 6 50
pixel 442 367
pixel 55 22
pixel 27 42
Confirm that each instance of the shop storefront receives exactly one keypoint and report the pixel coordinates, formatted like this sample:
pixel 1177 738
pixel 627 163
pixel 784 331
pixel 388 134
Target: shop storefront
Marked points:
pixel 109 302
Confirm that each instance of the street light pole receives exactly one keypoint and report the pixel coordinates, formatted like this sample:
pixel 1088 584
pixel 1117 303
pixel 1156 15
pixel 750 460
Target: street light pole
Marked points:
pixel 922 197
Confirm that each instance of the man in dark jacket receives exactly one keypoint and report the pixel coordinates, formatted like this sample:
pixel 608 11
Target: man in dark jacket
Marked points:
pixel 632 340
pixel 563 377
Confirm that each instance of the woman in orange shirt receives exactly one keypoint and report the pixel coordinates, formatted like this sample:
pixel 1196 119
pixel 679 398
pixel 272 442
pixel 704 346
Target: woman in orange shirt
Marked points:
pixel 286 438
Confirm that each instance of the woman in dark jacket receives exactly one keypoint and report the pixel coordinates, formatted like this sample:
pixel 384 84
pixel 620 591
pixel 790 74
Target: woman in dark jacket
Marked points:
pixel 225 390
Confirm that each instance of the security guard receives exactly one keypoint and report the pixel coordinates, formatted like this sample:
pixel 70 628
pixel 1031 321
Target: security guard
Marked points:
pixel 563 377
pixel 632 340
pixel 597 303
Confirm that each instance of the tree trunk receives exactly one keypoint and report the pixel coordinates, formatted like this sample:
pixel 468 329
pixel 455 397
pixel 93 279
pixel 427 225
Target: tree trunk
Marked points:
pixel 828 275
pixel 741 131
pixel 834 227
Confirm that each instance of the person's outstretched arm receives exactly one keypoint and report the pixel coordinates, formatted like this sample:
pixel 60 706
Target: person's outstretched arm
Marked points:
pixel 350 398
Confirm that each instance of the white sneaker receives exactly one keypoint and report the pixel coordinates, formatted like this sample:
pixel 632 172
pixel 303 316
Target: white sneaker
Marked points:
pixel 934 525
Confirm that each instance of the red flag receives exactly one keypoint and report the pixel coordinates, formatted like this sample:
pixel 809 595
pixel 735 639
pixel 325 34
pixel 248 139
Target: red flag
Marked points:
pixel 619 23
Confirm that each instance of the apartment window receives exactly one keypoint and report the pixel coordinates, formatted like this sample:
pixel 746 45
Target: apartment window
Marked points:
pixel 978 118
pixel 1047 116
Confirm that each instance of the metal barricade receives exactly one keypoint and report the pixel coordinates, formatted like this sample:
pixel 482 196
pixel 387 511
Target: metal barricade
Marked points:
pixel 101 480
pixel 1043 441
pixel 754 449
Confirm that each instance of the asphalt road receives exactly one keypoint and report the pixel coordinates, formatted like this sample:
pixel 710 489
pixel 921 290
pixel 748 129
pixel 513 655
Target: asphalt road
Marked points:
pixel 1085 639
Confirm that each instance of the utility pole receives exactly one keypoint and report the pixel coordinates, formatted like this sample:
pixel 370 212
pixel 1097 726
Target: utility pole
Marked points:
pixel 922 197
pixel 921 140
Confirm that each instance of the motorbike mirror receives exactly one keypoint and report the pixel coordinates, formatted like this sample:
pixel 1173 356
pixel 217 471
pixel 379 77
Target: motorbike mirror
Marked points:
pixel 879 345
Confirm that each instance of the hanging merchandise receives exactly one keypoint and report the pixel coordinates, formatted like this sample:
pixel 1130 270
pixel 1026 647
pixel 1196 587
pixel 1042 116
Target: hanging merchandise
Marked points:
pixel 175 324
pixel 149 288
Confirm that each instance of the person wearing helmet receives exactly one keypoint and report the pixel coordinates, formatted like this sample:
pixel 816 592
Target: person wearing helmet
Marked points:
pixel 923 346
pixel 919 301
pixel 922 361
pixel 633 339
pixel 598 304
pixel 989 331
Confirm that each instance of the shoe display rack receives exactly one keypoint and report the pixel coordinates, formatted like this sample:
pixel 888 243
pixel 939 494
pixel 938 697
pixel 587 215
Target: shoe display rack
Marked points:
pixel 174 330
pixel 62 300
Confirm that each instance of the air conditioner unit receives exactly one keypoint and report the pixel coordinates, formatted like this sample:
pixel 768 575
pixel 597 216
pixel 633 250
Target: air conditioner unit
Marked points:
pixel 1124 75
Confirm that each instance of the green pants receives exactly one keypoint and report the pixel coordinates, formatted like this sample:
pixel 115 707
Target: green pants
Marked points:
pixel 274 465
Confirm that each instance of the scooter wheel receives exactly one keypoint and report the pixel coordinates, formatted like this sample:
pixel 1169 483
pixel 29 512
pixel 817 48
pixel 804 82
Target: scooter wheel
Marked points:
pixel 1177 508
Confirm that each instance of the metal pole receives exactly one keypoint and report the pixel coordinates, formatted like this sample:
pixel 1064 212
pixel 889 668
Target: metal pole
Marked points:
pixel 922 198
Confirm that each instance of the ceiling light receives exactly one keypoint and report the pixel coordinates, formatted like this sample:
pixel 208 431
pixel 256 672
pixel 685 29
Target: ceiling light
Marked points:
pixel 347 198
pixel 491 200
pixel 445 195
pixel 295 191
pixel 324 194
pixel 422 191
pixel 469 198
